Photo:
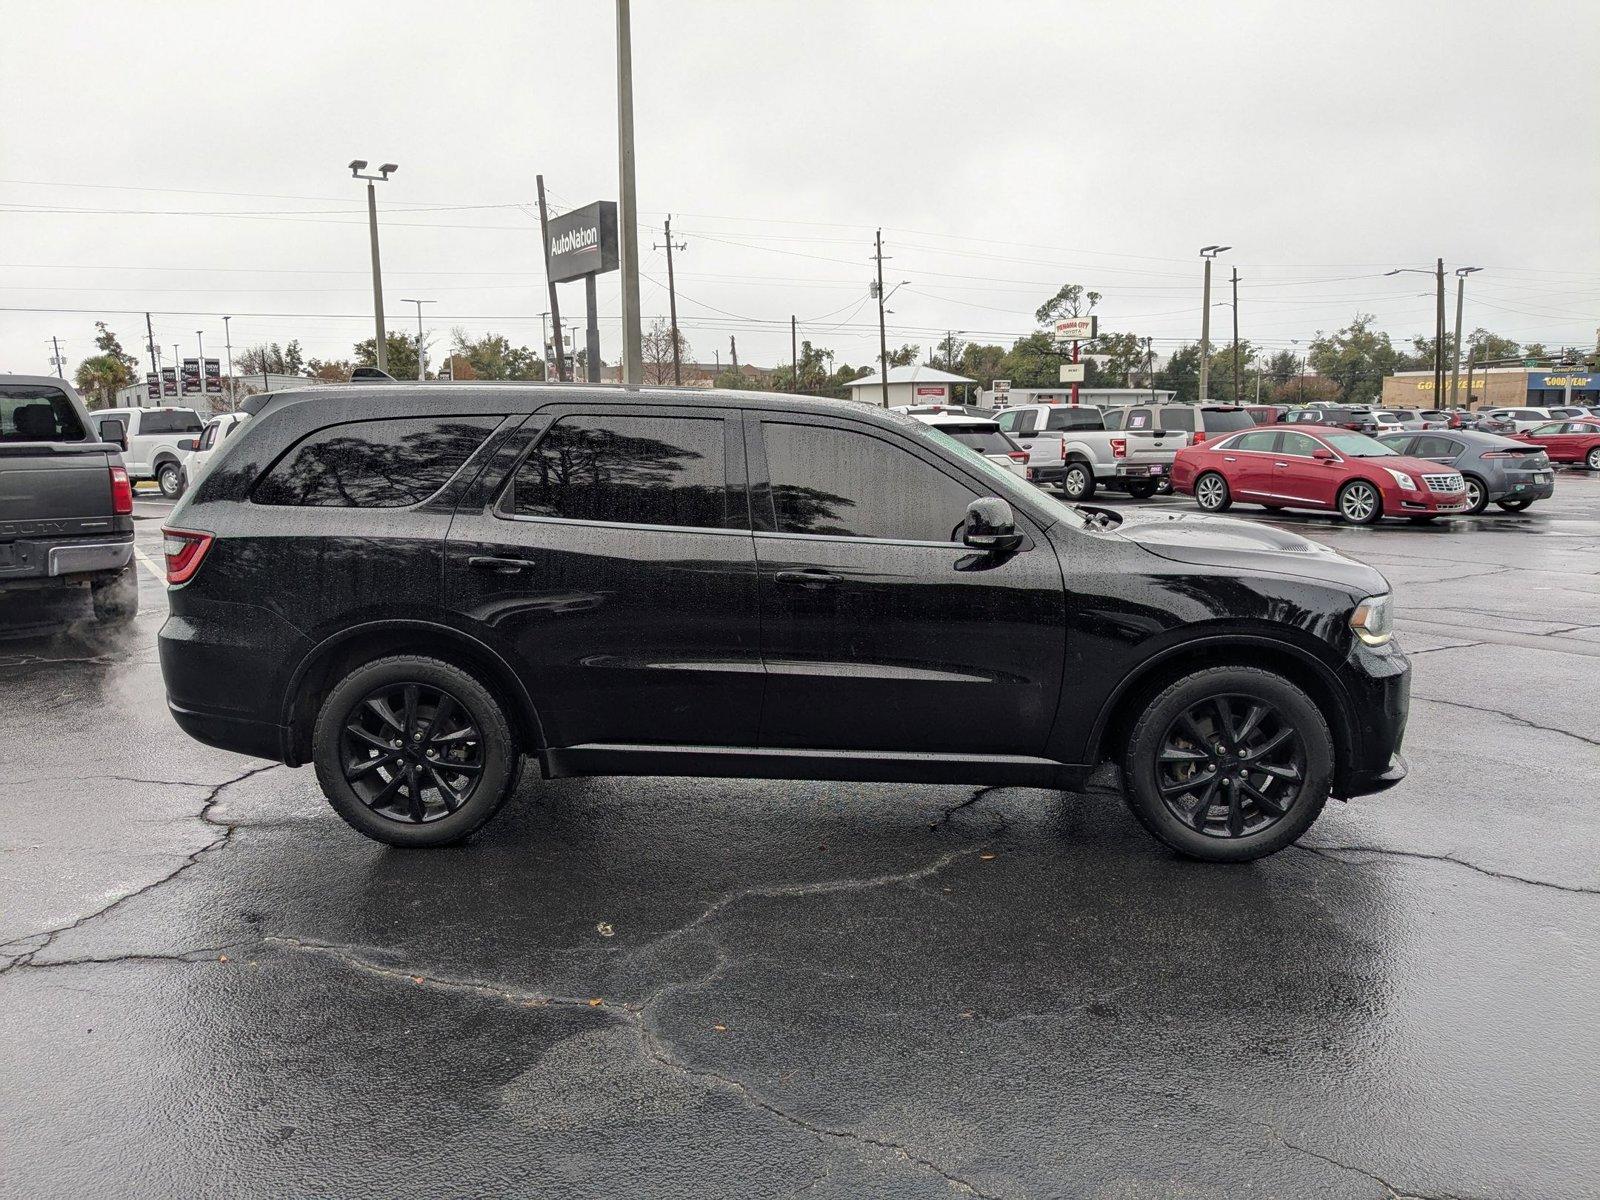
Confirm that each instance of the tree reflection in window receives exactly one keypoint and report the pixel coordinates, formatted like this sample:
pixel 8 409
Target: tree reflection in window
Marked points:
pixel 628 470
pixel 374 464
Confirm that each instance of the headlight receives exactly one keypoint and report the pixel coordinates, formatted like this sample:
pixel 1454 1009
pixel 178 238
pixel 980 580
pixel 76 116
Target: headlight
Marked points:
pixel 1373 620
pixel 1407 484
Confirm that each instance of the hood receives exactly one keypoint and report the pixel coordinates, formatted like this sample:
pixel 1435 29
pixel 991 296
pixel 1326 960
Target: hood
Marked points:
pixel 1208 541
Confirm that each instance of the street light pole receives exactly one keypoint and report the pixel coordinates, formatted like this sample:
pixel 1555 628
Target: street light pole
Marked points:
pixel 627 205
pixel 883 337
pixel 1455 350
pixel 227 337
pixel 421 371
pixel 200 337
pixel 1236 335
pixel 1438 321
pixel 1208 253
pixel 380 342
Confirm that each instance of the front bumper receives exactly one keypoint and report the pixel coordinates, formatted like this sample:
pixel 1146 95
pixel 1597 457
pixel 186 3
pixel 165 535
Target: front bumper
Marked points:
pixel 1378 683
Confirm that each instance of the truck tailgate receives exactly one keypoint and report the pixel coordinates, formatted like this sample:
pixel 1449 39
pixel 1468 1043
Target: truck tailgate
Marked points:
pixel 1158 446
pixel 53 492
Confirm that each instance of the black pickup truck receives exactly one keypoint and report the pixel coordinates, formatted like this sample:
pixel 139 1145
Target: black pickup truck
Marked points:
pixel 66 504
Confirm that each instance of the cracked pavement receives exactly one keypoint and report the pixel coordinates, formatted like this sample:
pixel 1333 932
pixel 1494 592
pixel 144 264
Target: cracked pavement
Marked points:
pixel 726 988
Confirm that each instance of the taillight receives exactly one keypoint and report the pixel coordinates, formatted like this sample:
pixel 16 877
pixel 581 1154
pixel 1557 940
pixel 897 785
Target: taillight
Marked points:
pixel 1020 456
pixel 1504 454
pixel 1199 436
pixel 1119 447
pixel 184 551
pixel 121 492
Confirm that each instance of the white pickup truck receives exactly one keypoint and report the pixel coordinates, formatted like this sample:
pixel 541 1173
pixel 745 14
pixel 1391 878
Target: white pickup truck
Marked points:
pixel 150 443
pixel 1070 446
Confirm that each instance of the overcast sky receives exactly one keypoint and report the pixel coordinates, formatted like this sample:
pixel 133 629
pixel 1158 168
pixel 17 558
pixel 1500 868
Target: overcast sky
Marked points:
pixel 1004 148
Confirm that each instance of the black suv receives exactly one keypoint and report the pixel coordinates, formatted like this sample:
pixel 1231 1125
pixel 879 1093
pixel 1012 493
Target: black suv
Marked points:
pixel 413 586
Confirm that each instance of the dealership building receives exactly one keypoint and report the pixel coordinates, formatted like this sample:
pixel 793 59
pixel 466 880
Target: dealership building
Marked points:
pixel 1497 387
pixel 920 384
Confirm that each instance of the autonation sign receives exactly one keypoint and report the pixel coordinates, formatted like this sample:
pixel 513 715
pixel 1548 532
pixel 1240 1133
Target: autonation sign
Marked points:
pixel 583 241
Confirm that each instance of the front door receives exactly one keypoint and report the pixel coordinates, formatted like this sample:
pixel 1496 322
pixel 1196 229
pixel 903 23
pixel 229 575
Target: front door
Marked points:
pixel 615 570
pixel 1302 478
pixel 880 630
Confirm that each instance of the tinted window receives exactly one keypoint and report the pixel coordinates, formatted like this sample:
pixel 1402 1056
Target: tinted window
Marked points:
pixel 209 438
pixel 1432 446
pixel 627 470
pixel 849 484
pixel 1071 417
pixel 1300 445
pixel 31 412
pixel 1138 418
pixel 1260 439
pixel 1399 443
pixel 1552 427
pixel 1178 418
pixel 1226 420
pixel 982 438
pixel 1115 418
pixel 180 420
pixel 373 464
pixel 1007 421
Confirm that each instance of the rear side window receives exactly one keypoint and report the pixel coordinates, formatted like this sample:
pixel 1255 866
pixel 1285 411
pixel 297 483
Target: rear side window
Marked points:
pixel 373 464
pixel 1138 418
pixel 1178 418
pixel 31 412
pixel 626 470
pixel 1115 418
pixel 1071 417
pixel 1432 446
pixel 979 437
pixel 1226 420
pixel 1260 439
pixel 181 420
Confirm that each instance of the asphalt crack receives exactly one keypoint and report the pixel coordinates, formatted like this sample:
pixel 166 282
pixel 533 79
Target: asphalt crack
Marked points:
pixel 1331 854
pixel 1394 1193
pixel 1509 716
pixel 213 798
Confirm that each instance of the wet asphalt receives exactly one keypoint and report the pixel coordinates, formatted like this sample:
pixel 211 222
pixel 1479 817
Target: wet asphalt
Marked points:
pixel 209 985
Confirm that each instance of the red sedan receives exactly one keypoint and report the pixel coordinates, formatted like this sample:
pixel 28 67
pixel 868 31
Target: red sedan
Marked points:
pixel 1313 466
pixel 1576 441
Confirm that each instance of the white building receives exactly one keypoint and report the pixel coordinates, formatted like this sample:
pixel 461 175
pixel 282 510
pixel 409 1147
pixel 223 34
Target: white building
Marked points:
pixel 920 384
pixel 1062 394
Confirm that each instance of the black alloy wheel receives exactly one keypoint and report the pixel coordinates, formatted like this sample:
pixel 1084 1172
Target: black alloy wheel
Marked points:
pixel 1230 766
pixel 412 752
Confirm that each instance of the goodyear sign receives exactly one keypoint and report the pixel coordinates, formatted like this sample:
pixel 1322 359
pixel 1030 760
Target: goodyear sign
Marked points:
pixel 1557 380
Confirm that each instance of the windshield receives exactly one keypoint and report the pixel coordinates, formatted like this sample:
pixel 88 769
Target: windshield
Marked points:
pixel 1357 445
pixel 1004 482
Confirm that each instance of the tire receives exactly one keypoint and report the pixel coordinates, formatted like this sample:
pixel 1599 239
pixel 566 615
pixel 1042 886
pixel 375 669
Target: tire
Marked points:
pixel 1359 502
pixel 386 799
pixel 1514 505
pixel 1211 492
pixel 1077 481
pixel 1141 491
pixel 116 600
pixel 1592 459
pixel 169 478
pixel 1477 495
pixel 1264 808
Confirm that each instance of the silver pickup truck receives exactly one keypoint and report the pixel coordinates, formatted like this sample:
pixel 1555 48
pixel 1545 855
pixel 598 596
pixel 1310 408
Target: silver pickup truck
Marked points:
pixel 1070 447
pixel 66 503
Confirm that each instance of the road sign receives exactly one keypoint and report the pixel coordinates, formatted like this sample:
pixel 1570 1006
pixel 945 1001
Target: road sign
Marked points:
pixel 1072 372
pixel 1001 386
pixel 1077 329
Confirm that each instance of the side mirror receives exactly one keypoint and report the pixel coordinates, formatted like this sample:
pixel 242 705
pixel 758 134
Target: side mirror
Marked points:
pixel 113 430
pixel 990 526
pixel 188 443
pixel 1323 454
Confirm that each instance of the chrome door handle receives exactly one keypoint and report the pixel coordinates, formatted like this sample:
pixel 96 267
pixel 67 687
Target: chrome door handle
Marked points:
pixel 1280 464
pixel 806 579
pixel 500 566
pixel 1229 458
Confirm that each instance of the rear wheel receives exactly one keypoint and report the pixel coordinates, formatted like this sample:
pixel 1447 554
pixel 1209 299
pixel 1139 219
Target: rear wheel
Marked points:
pixel 1592 459
pixel 116 600
pixel 1229 764
pixel 1359 503
pixel 169 478
pixel 1514 505
pixel 1211 492
pixel 1077 481
pixel 1477 495
pixel 1141 491
pixel 413 751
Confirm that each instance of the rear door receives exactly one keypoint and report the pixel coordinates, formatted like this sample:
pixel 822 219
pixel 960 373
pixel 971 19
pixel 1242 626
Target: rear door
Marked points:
pixel 1248 462
pixel 615 568
pixel 880 630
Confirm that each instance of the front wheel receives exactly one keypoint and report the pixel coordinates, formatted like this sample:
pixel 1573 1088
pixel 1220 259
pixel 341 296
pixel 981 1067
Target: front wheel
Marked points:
pixel 412 751
pixel 1592 459
pixel 1359 503
pixel 1229 764
pixel 1211 492
pixel 1514 505
pixel 1477 495
pixel 170 480
pixel 1077 481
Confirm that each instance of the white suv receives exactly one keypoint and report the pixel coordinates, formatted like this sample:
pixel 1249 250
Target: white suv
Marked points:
pixel 151 449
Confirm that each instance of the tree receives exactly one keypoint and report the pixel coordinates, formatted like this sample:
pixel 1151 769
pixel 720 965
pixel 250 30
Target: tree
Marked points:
pixel 106 342
pixel 402 354
pixel 1285 364
pixel 817 377
pixel 904 356
pixel 1070 301
pixel 1181 375
pixel 1127 359
pixel 1303 389
pixel 332 371
pixel 981 363
pixel 1032 362
pixel 1356 358
pixel 656 349
pixel 271 358
pixel 1485 346
pixel 99 376
pixel 492 356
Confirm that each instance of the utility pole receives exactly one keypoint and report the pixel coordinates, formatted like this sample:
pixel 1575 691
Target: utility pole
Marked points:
pixel 794 355
pixel 1438 336
pixel 177 369
pixel 227 338
pixel 544 345
pixel 627 205
pixel 555 302
pixel 672 301
pixel 1455 349
pixel 421 372
pixel 150 337
pixel 381 342
pixel 733 352
pixel 1208 253
pixel 1236 335
pixel 883 337
pixel 1470 364
pixel 55 347
pixel 1150 369
pixel 200 337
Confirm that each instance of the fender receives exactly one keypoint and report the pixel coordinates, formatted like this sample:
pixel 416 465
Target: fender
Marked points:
pixel 1218 641
pixel 404 624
